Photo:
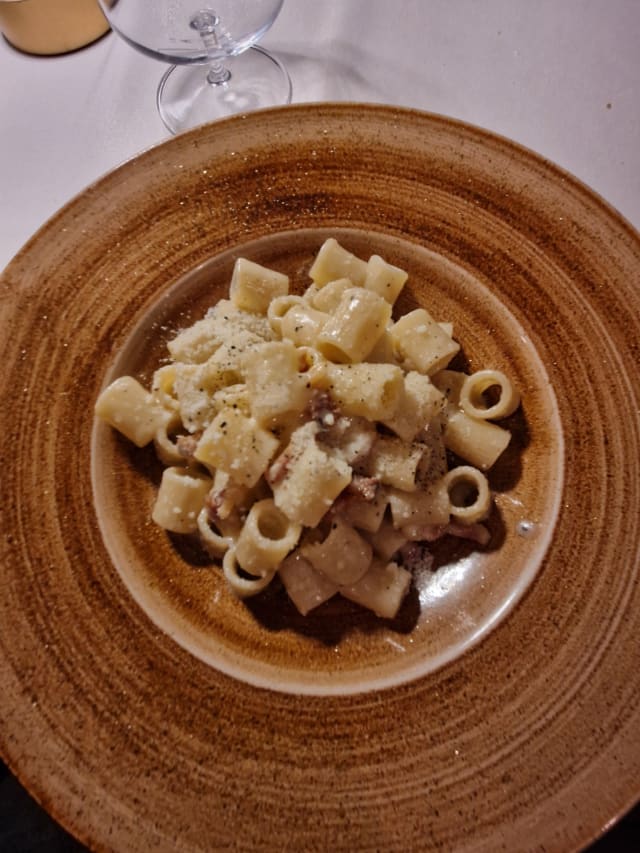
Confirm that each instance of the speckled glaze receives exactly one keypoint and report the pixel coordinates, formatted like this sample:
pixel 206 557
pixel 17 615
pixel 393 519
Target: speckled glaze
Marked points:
pixel 510 714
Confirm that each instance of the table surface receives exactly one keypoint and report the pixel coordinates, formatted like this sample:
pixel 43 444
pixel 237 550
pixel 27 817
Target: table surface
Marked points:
pixel 562 79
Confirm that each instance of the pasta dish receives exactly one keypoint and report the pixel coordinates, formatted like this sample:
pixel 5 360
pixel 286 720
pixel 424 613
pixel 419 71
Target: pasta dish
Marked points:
pixel 306 436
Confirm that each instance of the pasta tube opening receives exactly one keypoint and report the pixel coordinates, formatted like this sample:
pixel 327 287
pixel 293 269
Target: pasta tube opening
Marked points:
pixel 478 393
pixel 469 495
pixel 278 309
pixel 266 538
pixel 243 586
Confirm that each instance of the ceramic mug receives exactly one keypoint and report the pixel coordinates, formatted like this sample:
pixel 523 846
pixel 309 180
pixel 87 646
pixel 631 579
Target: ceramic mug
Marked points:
pixel 51 26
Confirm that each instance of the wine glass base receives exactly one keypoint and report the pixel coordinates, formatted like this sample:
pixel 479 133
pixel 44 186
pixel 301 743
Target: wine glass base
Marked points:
pixel 253 80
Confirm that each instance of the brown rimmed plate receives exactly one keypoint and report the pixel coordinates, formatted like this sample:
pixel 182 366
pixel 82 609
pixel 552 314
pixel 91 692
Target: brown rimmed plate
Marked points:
pixel 143 706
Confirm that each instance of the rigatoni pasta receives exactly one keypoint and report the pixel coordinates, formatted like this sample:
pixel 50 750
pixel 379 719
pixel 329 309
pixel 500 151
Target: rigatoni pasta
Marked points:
pixel 357 324
pixel 266 538
pixel 371 391
pixel 180 497
pixel 384 279
pixel 131 410
pixel 333 261
pixel 306 435
pixel 307 478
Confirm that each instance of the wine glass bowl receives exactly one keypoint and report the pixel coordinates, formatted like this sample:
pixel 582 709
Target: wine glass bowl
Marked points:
pixel 217 69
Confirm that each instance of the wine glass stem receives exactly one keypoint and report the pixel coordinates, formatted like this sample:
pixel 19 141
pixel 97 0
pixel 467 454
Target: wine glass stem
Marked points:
pixel 205 22
pixel 218 74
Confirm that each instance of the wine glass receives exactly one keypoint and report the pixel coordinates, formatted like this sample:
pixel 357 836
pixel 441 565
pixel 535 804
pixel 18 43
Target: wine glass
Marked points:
pixel 217 68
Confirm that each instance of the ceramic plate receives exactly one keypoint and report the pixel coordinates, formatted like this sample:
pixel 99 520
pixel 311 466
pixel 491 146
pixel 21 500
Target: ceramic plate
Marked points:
pixel 143 705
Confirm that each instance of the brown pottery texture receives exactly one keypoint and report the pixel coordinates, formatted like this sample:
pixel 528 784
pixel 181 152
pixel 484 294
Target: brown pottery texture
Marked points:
pixel 148 709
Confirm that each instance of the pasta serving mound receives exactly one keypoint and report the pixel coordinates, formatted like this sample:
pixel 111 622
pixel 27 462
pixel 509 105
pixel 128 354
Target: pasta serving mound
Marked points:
pixel 306 436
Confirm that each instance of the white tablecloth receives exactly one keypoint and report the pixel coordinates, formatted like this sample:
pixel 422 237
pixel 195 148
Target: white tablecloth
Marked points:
pixel 559 76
